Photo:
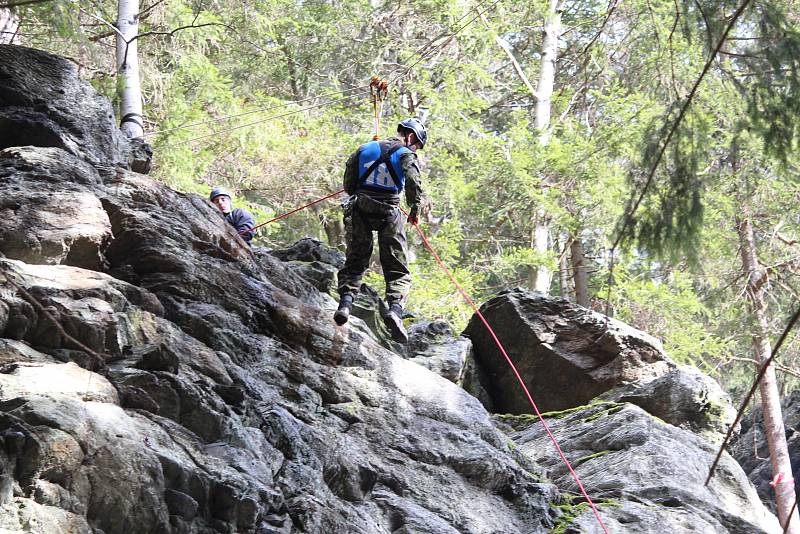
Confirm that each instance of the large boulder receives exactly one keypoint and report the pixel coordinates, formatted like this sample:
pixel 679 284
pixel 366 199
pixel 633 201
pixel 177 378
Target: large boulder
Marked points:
pixel 683 397
pixel 646 476
pixel 64 223
pixel 567 354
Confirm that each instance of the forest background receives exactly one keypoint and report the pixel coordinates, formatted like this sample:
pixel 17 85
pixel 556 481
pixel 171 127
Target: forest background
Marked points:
pixel 668 161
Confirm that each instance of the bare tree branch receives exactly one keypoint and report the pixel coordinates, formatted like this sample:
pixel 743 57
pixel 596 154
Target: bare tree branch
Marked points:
pixel 502 43
pixel 98 360
pixel 612 6
pixel 176 30
pixel 778 366
pixel 143 14
pixel 103 21
pixel 8 5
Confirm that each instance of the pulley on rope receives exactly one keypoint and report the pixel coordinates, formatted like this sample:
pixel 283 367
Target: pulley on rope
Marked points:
pixel 378 90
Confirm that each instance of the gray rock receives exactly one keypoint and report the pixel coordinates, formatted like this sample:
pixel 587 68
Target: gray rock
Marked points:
pixel 684 397
pixel 645 475
pixel 433 345
pixel 44 103
pixel 6 488
pixel 159 358
pixel 370 307
pixel 312 260
pixel 181 504
pixel 64 224
pixel 473 378
pixel 566 354
pixel 139 156
pixel 310 250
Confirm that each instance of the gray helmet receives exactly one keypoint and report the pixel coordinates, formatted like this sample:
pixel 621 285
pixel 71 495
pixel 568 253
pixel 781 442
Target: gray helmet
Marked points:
pixel 218 191
pixel 416 126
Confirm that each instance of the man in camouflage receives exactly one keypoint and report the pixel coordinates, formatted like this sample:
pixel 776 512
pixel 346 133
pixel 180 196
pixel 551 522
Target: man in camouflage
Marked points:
pixel 375 175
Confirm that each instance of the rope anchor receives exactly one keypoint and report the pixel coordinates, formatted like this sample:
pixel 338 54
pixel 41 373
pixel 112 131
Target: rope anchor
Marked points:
pixel 378 90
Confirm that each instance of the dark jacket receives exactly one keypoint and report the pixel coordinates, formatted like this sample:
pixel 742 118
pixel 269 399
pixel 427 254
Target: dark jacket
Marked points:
pixel 415 196
pixel 242 220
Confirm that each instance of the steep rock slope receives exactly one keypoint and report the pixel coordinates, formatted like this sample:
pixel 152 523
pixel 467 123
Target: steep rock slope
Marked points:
pixel 210 391
pixel 158 375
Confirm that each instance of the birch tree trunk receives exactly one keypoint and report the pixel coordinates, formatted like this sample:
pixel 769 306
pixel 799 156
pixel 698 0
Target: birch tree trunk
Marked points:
pixel 770 398
pixel 9 26
pixel 128 87
pixel 547 70
pixel 544 92
pixel 579 272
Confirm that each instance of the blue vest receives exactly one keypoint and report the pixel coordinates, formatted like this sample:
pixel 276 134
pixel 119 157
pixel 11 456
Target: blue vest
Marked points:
pixel 382 178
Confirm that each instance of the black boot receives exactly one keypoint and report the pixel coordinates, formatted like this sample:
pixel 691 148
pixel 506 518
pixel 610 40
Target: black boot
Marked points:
pixel 393 319
pixel 343 313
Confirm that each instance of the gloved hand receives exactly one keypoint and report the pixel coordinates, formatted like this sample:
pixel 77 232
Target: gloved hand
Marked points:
pixel 413 216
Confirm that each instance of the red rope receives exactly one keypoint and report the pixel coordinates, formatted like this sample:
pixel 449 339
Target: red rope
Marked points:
pixel 516 373
pixel 279 217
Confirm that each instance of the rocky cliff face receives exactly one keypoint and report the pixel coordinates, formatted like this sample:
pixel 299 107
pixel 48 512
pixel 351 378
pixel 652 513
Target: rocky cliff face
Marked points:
pixel 159 376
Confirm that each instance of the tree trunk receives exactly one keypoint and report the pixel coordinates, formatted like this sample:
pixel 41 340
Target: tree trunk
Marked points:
pixel 129 89
pixel 563 271
pixel 544 91
pixel 9 27
pixel 579 270
pixel 291 67
pixel 334 231
pixel 540 275
pixel 547 70
pixel 770 399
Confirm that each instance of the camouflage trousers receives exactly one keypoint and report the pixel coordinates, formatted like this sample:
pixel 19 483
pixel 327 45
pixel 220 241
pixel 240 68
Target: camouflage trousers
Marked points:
pixel 361 219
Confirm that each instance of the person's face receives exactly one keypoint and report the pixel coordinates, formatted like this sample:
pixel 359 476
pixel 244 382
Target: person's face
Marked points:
pixel 411 141
pixel 223 202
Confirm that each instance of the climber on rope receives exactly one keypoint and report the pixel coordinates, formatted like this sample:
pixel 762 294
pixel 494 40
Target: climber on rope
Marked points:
pixel 374 177
pixel 238 218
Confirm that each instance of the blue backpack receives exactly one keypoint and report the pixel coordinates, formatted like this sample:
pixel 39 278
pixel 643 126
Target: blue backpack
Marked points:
pixel 380 167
